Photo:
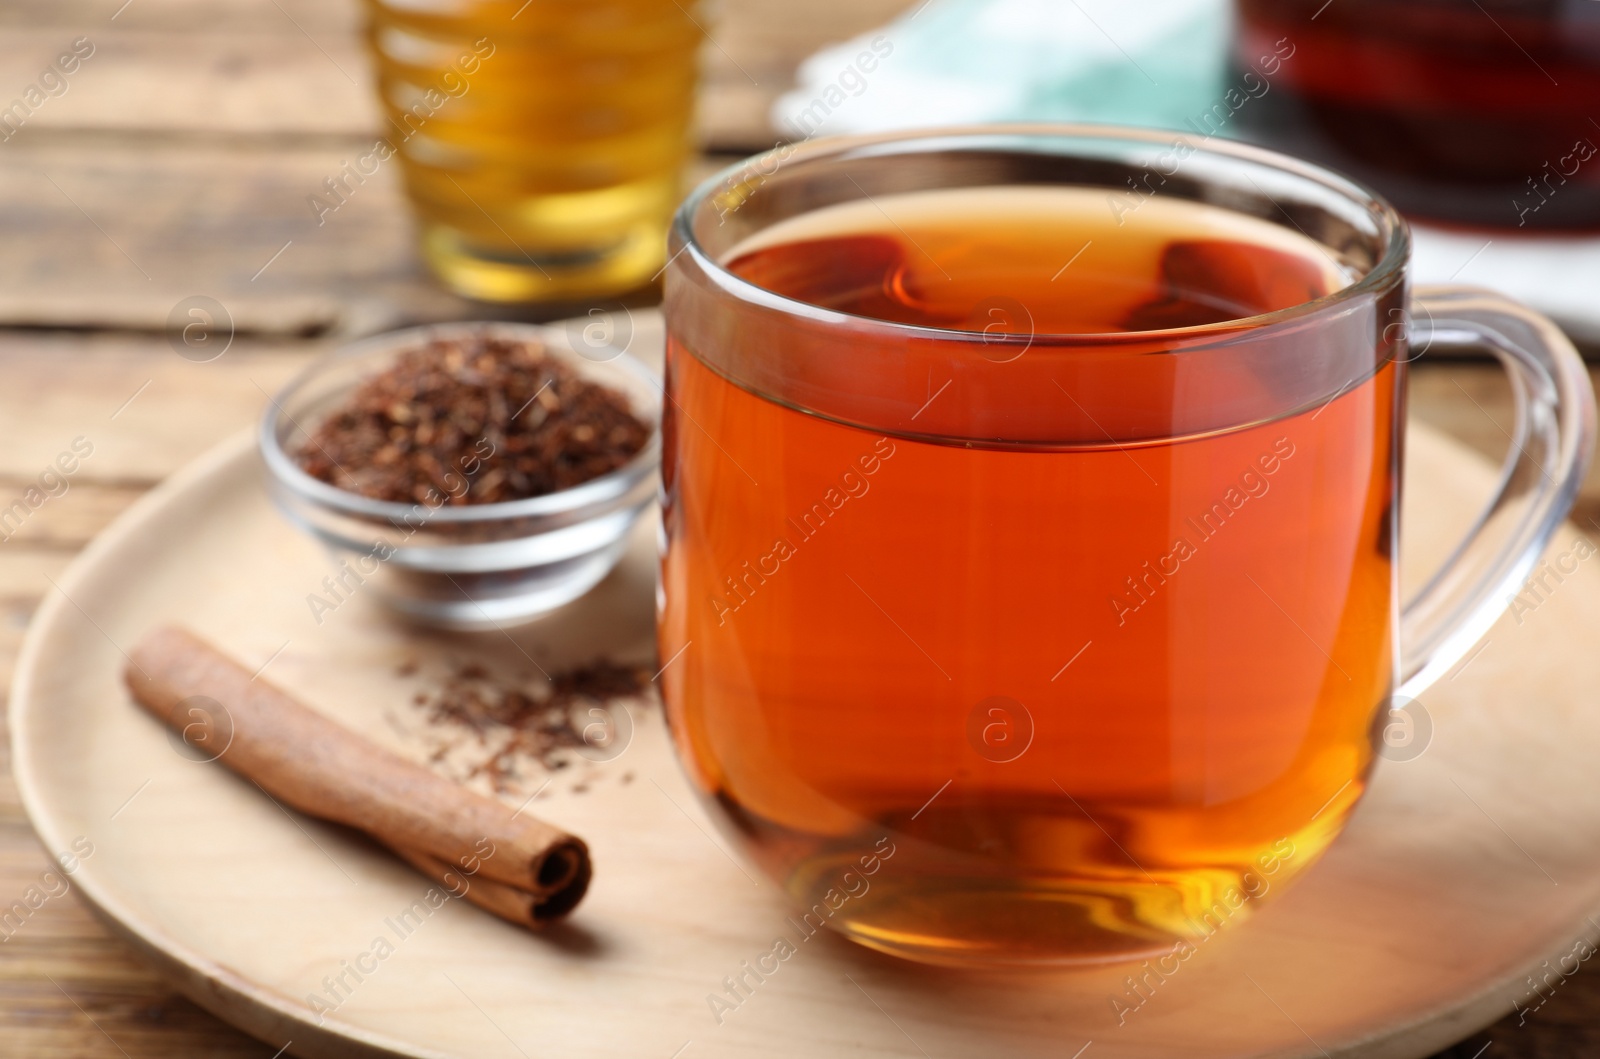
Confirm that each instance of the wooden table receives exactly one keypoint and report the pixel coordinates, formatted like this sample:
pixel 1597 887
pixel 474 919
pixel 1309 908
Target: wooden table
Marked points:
pixel 178 163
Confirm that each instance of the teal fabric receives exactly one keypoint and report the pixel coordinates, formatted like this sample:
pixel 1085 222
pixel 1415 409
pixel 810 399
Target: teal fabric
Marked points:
pixel 1157 63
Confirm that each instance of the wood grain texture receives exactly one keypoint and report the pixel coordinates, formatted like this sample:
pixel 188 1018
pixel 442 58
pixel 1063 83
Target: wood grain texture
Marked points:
pixel 188 144
pixel 190 140
pixel 116 242
pixel 68 988
pixel 139 1014
pixel 181 157
pixel 253 67
pixel 144 409
pixel 197 78
pixel 257 906
pixel 1471 400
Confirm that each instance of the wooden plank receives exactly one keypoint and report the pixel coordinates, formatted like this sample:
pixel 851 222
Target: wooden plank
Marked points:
pixel 109 236
pixel 68 988
pixel 179 16
pixel 26 574
pixel 116 238
pixel 111 228
pixel 250 82
pixel 1468 400
pixel 1472 401
pixel 135 1015
pixel 69 521
pixel 268 68
pixel 144 410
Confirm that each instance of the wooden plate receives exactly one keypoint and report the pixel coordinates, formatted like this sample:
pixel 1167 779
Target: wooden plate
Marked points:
pixel 1464 869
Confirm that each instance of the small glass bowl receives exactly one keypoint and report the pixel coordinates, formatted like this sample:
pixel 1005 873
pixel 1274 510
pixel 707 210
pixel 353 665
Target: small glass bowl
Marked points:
pixel 472 566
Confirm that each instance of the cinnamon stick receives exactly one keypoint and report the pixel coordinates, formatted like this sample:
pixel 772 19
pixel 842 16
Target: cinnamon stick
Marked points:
pixel 507 902
pixel 514 865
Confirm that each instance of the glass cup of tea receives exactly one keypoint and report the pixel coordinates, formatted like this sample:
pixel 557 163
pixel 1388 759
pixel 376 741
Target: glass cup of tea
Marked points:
pixel 1478 111
pixel 541 141
pixel 1030 520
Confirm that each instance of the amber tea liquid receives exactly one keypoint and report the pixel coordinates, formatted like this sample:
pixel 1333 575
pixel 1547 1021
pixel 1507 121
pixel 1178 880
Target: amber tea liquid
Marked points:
pixel 541 140
pixel 1067 702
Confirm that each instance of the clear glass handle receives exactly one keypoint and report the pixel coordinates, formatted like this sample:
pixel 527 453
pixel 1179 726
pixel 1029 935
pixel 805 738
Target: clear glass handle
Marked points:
pixel 1549 453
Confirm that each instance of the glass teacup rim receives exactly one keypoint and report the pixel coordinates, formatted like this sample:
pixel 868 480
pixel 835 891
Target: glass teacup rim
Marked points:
pixel 1388 269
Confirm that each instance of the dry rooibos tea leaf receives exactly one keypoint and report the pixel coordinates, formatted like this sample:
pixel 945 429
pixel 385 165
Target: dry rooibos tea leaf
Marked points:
pixel 478 420
pixel 514 722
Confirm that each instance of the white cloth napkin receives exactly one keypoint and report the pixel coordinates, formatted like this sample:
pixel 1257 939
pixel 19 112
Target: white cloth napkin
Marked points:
pixel 950 62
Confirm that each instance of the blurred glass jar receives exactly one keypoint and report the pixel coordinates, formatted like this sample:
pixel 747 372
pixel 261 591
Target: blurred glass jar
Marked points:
pixel 541 141
pixel 1477 111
